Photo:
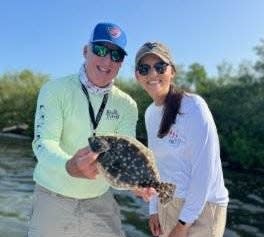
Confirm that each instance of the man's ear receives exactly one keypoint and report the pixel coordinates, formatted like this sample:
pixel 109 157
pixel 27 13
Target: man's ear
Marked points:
pixel 85 50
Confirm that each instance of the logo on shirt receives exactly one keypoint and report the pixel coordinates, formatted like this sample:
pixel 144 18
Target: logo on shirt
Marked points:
pixel 112 114
pixel 174 138
pixel 39 123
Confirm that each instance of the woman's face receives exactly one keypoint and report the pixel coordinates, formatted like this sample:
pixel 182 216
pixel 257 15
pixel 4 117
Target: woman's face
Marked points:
pixel 156 77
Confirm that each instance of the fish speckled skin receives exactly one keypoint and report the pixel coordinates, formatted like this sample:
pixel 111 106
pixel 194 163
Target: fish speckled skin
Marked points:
pixel 128 164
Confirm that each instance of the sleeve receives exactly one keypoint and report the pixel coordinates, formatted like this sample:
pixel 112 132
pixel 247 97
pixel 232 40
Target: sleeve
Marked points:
pixel 48 129
pixel 204 147
pixel 128 122
pixel 153 203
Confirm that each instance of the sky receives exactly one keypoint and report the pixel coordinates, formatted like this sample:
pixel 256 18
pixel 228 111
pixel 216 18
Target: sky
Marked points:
pixel 47 36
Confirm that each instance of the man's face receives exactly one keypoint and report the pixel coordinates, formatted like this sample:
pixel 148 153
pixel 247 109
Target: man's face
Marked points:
pixel 100 70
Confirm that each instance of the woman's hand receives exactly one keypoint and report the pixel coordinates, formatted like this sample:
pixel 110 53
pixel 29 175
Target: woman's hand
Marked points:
pixel 154 225
pixel 145 193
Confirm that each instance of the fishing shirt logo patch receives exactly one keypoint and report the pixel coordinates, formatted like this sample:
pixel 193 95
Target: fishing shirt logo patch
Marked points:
pixel 112 114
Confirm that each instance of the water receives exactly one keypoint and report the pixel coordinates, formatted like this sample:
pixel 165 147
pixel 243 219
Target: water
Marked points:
pixel 245 212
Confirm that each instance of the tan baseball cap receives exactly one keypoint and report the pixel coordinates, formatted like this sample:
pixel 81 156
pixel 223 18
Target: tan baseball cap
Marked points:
pixel 157 49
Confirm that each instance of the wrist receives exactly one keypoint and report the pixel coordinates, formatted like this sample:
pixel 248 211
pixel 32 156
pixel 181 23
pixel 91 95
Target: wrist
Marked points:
pixel 182 222
pixel 183 225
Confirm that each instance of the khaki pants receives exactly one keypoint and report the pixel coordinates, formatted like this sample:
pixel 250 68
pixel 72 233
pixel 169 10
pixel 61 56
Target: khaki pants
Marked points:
pixel 57 216
pixel 211 222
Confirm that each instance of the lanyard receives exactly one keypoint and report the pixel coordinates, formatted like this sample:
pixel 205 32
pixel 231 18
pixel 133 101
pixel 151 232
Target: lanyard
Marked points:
pixel 95 121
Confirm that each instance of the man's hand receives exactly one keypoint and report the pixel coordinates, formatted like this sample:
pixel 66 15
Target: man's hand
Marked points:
pixel 83 164
pixel 145 193
pixel 154 225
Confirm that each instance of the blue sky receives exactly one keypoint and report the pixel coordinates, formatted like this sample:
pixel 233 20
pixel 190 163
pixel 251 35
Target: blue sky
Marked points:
pixel 48 36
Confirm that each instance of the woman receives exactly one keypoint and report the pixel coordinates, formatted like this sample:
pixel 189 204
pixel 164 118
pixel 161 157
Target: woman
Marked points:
pixel 182 135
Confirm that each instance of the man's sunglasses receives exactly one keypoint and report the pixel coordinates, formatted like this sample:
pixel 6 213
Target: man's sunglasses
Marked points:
pixel 144 69
pixel 117 55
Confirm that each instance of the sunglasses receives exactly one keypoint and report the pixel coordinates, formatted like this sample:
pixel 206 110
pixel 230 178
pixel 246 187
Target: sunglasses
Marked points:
pixel 101 50
pixel 144 69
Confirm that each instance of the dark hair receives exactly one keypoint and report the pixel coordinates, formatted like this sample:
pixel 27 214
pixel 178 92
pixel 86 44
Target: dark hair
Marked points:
pixel 171 108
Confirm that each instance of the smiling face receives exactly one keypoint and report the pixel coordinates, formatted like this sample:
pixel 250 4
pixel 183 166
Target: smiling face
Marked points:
pixel 100 70
pixel 155 84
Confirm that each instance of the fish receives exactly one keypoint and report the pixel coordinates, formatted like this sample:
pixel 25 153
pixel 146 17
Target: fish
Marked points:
pixel 127 164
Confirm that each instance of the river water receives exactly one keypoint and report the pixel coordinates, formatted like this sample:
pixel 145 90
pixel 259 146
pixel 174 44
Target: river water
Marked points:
pixel 245 212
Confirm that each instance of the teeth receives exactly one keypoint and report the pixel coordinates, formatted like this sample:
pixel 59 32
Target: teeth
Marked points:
pixel 153 82
pixel 102 69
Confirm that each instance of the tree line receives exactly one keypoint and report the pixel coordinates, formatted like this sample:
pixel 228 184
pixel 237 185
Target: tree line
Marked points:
pixel 235 97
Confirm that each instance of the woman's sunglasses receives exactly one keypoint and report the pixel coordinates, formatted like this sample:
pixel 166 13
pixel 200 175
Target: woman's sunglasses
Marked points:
pixel 101 50
pixel 144 69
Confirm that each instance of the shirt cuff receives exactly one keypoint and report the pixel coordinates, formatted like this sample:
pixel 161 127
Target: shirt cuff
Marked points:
pixel 153 205
pixel 189 218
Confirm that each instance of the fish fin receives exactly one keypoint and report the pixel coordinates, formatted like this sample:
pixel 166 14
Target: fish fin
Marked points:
pixel 165 192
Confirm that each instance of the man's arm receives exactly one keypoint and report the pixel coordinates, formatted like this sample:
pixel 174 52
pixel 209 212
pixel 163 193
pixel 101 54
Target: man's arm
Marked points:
pixel 48 129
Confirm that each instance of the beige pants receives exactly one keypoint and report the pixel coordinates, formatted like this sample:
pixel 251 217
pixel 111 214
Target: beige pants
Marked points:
pixel 57 216
pixel 211 222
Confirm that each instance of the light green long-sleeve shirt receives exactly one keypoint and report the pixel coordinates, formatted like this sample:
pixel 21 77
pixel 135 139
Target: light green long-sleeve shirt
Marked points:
pixel 62 127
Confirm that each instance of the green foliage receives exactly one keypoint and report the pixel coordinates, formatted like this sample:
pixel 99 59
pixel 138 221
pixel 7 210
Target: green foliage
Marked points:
pixel 236 102
pixel 197 77
pixel 225 71
pixel 18 93
pixel 259 66
pixel 143 101
pixel 238 113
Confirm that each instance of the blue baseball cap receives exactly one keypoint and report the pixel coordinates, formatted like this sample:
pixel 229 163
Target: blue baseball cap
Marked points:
pixel 109 32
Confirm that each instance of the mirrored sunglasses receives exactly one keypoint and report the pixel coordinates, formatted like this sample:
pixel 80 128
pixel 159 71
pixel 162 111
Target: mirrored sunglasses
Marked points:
pixel 144 69
pixel 101 50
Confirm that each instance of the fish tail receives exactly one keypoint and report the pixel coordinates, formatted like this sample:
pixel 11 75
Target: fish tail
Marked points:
pixel 165 192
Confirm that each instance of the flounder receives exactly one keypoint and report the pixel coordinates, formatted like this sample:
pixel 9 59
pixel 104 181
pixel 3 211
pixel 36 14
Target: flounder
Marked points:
pixel 128 164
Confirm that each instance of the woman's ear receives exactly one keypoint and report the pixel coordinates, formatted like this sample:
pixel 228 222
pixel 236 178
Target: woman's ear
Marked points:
pixel 173 71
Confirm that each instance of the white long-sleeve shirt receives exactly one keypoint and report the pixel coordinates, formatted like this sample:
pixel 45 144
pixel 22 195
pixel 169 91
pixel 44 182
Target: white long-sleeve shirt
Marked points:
pixel 188 156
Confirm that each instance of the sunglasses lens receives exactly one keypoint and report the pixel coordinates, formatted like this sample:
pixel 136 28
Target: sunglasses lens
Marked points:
pixel 100 50
pixel 160 67
pixel 143 69
pixel 117 55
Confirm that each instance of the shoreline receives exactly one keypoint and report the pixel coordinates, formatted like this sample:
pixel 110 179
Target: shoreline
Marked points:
pixel 15 136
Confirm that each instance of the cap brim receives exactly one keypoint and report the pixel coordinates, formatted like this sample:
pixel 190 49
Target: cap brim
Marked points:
pixel 153 53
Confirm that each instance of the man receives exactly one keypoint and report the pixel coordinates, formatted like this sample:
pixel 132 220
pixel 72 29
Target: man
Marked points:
pixel 70 198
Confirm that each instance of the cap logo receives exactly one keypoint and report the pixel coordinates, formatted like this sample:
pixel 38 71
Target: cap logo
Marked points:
pixel 115 32
pixel 151 45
